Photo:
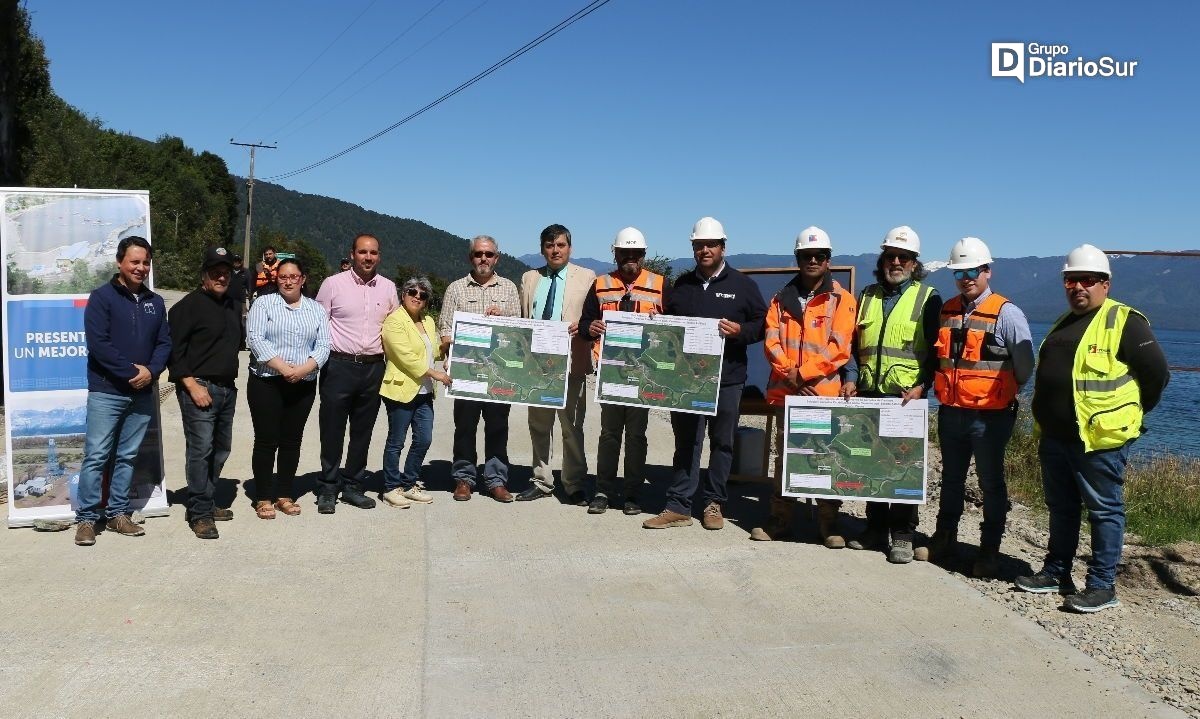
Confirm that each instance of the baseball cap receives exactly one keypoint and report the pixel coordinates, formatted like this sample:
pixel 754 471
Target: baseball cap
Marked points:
pixel 216 256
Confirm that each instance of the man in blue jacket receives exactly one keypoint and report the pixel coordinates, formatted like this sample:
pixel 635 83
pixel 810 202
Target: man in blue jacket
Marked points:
pixel 717 291
pixel 128 347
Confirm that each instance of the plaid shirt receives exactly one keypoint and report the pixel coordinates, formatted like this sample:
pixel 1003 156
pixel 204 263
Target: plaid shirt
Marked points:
pixel 467 295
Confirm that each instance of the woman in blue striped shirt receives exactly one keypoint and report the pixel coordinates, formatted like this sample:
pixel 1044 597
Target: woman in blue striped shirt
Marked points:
pixel 288 335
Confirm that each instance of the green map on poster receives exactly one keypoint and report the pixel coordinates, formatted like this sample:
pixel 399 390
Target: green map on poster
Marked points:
pixel 661 361
pixel 872 449
pixel 510 360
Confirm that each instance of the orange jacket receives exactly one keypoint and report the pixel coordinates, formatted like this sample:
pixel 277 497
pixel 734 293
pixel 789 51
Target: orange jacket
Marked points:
pixel 973 371
pixel 266 274
pixel 645 295
pixel 815 340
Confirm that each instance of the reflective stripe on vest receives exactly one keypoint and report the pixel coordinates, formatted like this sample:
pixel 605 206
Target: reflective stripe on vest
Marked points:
pixel 1108 402
pixel 974 372
pixel 807 336
pixel 645 295
pixel 891 349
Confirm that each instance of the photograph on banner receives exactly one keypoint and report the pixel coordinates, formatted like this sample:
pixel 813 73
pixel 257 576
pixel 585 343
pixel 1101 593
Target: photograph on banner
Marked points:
pixel 510 360
pixel 660 361
pixel 63 242
pixel 865 448
pixel 60 245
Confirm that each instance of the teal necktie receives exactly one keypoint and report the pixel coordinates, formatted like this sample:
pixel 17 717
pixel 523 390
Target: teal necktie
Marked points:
pixel 548 310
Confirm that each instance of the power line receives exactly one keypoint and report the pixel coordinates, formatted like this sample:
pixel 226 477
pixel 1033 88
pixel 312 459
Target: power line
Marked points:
pixel 307 68
pixel 388 71
pixel 343 81
pixel 577 16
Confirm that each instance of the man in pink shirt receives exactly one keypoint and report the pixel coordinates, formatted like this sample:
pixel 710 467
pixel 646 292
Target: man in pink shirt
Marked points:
pixel 357 302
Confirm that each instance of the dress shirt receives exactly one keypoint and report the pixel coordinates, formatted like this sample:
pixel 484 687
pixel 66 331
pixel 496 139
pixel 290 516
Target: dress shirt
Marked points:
pixel 357 310
pixel 543 289
pixel 467 295
pixel 294 334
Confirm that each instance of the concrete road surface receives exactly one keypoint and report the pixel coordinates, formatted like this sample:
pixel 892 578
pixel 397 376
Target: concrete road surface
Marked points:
pixel 482 609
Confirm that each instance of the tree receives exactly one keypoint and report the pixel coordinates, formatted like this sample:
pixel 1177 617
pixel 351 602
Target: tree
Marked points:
pixel 661 265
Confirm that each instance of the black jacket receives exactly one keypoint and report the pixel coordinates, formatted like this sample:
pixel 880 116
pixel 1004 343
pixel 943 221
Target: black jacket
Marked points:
pixel 206 334
pixel 731 296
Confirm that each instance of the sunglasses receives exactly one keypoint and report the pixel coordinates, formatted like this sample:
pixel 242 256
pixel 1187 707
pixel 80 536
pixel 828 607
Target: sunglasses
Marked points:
pixel 419 294
pixel 969 274
pixel 901 257
pixel 1084 282
pixel 803 258
pixel 479 254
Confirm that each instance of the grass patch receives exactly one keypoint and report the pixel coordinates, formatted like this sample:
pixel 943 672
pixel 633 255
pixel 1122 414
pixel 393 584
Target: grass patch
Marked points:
pixel 1162 492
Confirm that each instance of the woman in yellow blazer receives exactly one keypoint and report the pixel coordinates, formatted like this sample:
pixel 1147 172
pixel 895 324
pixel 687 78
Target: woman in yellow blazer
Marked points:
pixel 410 341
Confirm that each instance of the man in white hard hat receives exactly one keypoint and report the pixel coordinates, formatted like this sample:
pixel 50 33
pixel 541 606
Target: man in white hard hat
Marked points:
pixel 715 290
pixel 985 355
pixel 556 291
pixel 1100 369
pixel 897 326
pixel 629 288
pixel 807 340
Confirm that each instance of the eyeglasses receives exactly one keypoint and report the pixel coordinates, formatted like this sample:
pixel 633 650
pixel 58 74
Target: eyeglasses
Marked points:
pixel 482 253
pixel 1084 282
pixel 901 257
pixel 803 258
pixel 290 278
pixel 419 294
pixel 969 274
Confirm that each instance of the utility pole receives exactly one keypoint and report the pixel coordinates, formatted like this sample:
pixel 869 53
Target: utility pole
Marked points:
pixel 250 191
pixel 177 213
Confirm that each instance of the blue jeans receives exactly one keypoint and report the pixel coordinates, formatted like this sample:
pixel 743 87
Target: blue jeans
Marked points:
pixel 983 433
pixel 689 444
pixel 116 424
pixel 417 414
pixel 1098 479
pixel 209 437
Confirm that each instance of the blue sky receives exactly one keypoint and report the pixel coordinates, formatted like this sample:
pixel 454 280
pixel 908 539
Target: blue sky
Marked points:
pixel 770 116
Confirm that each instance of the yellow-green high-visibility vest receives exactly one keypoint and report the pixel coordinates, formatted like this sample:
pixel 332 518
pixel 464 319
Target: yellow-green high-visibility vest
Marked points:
pixel 1108 401
pixel 892 350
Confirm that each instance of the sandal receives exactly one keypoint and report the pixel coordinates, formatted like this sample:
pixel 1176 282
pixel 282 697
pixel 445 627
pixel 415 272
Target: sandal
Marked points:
pixel 264 510
pixel 287 506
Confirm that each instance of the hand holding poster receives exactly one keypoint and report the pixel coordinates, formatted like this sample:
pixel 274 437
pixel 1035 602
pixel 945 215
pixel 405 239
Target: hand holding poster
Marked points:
pixel 511 360
pixel 660 361
pixel 871 449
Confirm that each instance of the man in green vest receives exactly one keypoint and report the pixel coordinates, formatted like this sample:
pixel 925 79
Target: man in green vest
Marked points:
pixel 1100 369
pixel 898 320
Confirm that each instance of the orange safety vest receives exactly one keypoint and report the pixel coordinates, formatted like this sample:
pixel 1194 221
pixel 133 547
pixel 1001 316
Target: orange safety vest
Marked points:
pixel 974 371
pixel 818 342
pixel 266 274
pixel 644 295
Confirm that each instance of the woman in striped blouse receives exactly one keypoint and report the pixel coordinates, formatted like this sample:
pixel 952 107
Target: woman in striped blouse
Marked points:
pixel 288 335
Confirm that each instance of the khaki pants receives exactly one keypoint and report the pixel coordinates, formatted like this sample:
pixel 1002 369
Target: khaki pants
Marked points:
pixel 570 421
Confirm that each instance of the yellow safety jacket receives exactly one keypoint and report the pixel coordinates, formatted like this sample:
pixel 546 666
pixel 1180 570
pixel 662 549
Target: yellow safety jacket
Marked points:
pixel 892 350
pixel 1108 402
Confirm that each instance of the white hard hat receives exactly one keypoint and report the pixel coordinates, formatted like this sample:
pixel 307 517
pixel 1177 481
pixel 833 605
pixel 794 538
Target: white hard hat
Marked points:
pixel 1087 258
pixel 630 238
pixel 902 238
pixel 707 228
pixel 813 238
pixel 969 252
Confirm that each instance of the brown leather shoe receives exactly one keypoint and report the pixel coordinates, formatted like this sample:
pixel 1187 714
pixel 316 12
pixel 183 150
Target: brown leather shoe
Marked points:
pixel 85 534
pixel 667 518
pixel 122 524
pixel 712 519
pixel 220 514
pixel 205 528
pixel 462 490
pixel 500 493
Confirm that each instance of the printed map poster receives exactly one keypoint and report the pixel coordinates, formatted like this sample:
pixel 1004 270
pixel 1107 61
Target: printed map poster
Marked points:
pixel 511 360
pixel 870 449
pixel 660 361
pixel 59 245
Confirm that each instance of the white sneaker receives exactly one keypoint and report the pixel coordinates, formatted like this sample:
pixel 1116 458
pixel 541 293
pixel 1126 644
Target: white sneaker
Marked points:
pixel 396 498
pixel 418 494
